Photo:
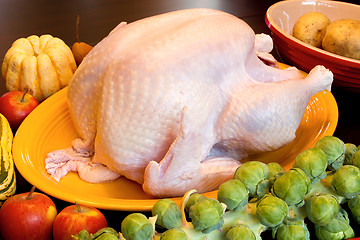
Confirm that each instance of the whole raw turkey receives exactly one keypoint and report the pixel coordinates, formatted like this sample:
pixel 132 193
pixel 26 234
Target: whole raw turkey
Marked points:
pixel 175 101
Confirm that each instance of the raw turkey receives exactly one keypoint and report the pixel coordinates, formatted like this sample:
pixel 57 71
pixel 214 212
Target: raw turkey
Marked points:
pixel 175 101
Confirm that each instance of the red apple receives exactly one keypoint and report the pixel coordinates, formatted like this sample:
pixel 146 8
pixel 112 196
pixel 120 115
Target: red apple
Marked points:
pixel 27 216
pixel 16 105
pixel 74 218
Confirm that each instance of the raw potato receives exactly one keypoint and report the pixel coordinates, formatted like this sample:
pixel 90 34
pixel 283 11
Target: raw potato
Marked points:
pixel 310 28
pixel 343 37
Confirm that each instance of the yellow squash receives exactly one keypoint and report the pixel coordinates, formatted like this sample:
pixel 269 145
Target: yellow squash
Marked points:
pixel 7 168
pixel 43 65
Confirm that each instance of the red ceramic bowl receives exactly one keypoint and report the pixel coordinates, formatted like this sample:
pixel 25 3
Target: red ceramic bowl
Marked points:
pixel 281 17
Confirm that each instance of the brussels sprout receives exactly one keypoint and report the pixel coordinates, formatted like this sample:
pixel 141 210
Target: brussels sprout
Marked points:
pixel 338 228
pixel 168 213
pixel 346 181
pixel 271 211
pixel 233 194
pixel 350 150
pixel 254 175
pixel 292 187
pixel 174 234
pixel 106 236
pixel 313 162
pixel 275 171
pixel 106 233
pixel 291 229
pixel 334 149
pixel 136 226
pixel 322 208
pixel 82 235
pixel 192 200
pixel 240 232
pixel 354 206
pixel 356 159
pixel 207 215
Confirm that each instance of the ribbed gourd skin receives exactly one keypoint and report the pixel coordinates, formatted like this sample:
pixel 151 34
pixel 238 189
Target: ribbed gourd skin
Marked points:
pixel 42 65
pixel 7 167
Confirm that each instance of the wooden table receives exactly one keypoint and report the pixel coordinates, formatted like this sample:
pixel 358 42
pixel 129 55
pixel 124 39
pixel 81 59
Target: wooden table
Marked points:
pixel 22 18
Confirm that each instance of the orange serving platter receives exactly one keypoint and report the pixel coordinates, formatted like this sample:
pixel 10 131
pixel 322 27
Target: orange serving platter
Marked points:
pixel 49 127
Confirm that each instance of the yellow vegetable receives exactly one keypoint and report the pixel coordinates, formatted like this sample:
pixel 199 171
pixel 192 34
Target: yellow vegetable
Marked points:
pixel 343 37
pixel 310 28
pixel 43 65
pixel 7 168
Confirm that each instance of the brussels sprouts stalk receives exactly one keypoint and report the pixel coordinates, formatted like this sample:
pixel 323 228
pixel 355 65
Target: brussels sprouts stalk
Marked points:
pixel 246 216
pixel 271 199
pixel 324 186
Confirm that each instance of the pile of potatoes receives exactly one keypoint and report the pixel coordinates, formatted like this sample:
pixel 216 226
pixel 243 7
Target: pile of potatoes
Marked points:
pixel 340 36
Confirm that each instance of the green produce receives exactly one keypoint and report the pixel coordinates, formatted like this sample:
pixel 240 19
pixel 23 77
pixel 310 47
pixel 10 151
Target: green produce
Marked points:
pixel 356 159
pixel 271 211
pixel 313 162
pixel 334 149
pixel 240 232
pixel 291 229
pixel 354 206
pixel 297 200
pixel 338 228
pixel 255 176
pixel 233 194
pixel 106 233
pixel 275 171
pixel 351 149
pixel 193 198
pixel 107 236
pixel 136 226
pixel 174 234
pixel 7 167
pixel 292 187
pixel 82 235
pixel 346 181
pixel 207 215
pixel 322 208
pixel 168 214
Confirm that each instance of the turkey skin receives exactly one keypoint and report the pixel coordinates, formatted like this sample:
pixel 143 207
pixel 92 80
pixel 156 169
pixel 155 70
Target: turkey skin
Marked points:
pixel 176 101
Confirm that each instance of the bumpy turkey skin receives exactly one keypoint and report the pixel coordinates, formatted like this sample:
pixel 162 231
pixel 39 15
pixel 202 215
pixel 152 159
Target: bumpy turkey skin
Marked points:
pixel 175 101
